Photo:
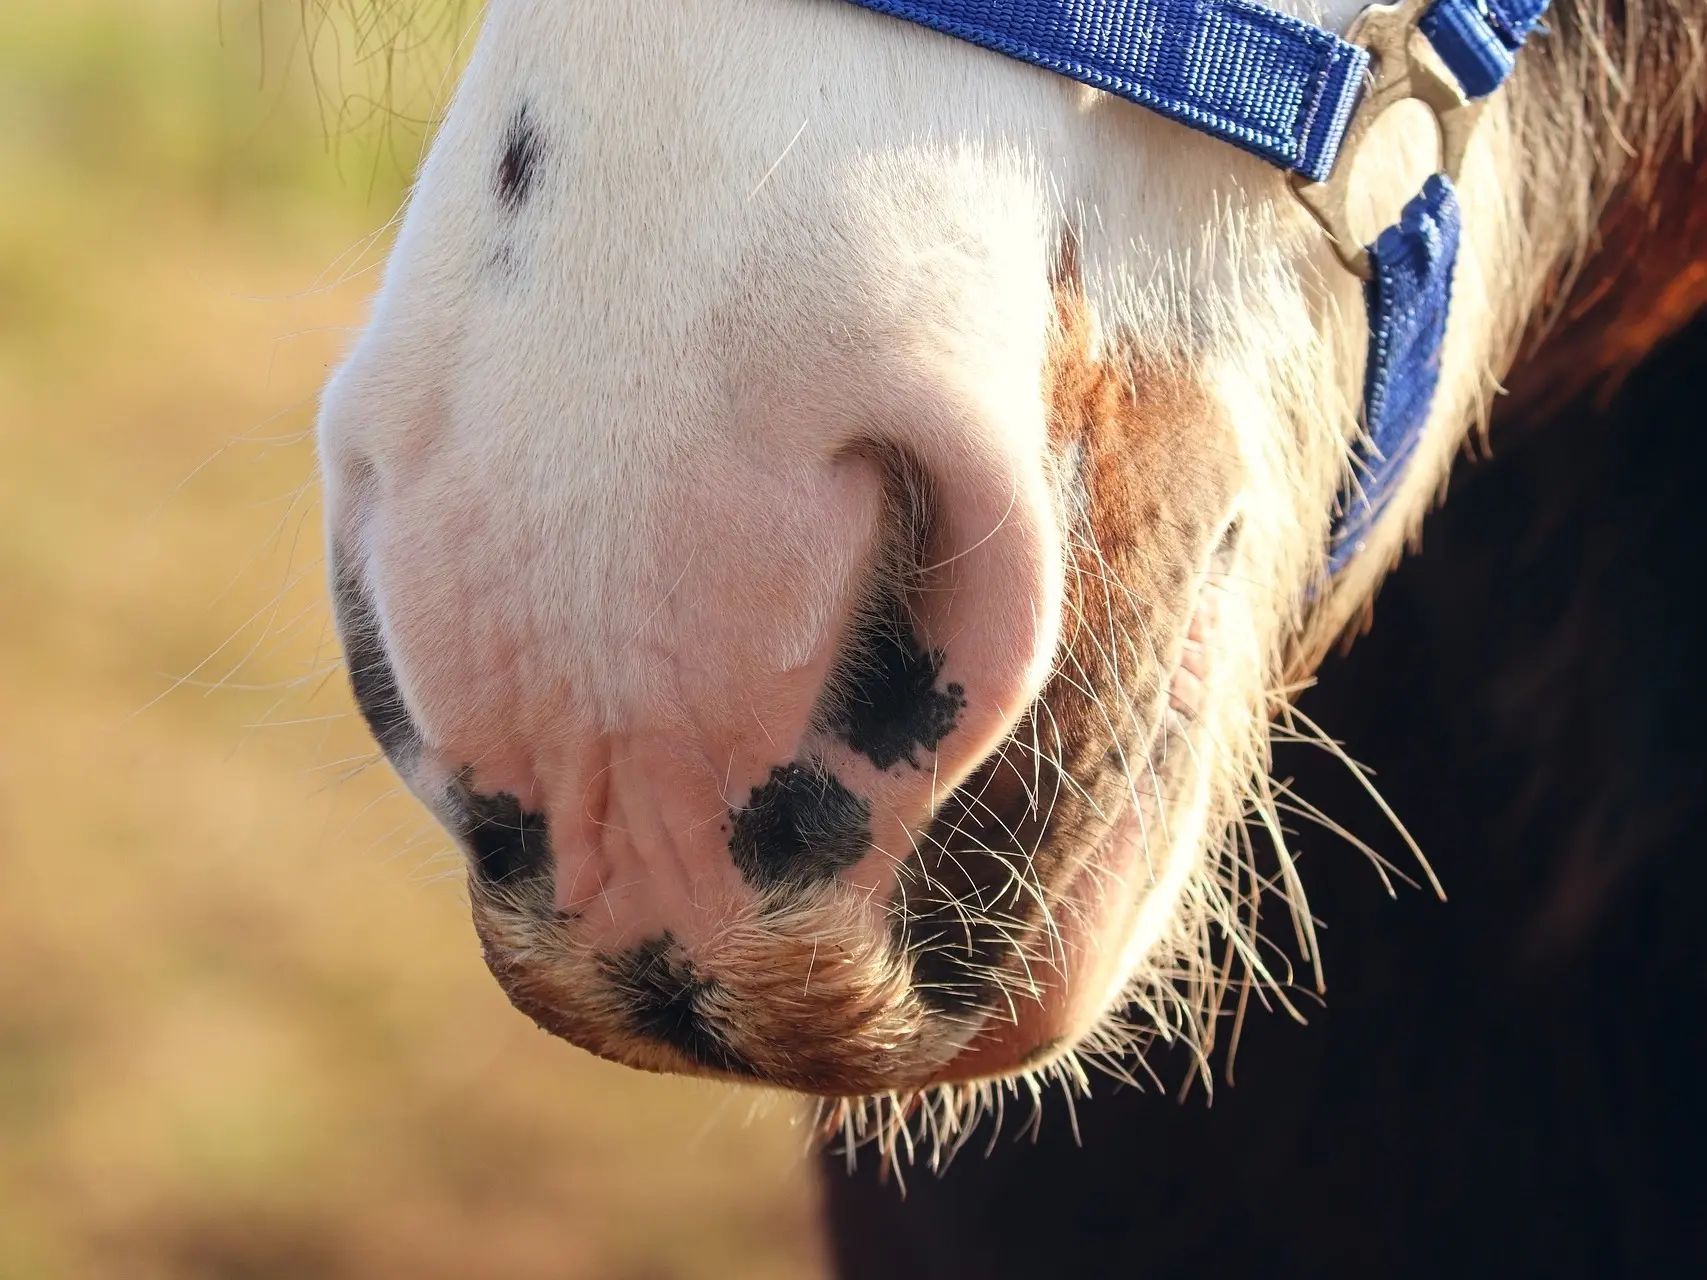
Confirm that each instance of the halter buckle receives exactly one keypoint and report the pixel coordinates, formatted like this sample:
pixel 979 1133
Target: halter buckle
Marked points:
pixel 1399 73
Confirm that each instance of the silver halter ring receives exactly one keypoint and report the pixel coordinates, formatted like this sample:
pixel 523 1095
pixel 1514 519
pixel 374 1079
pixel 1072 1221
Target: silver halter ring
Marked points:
pixel 1399 73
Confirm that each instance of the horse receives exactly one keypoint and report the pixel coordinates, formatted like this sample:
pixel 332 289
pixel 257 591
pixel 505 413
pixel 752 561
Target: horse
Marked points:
pixel 834 519
pixel 1499 1085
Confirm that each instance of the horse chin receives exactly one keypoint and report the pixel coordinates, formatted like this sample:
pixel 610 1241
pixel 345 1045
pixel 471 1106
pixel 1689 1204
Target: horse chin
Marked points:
pixel 825 992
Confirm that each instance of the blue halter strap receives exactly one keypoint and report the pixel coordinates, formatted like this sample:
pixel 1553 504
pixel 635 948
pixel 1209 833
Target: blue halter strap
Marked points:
pixel 1291 93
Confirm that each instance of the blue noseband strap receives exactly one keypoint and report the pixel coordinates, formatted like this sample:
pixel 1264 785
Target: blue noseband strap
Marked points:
pixel 1233 69
pixel 1286 91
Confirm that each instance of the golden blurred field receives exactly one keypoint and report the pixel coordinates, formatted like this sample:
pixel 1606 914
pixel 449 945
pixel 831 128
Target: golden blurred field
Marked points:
pixel 244 1028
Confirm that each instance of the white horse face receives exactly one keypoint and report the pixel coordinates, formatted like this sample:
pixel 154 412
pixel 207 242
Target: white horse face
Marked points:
pixel 818 512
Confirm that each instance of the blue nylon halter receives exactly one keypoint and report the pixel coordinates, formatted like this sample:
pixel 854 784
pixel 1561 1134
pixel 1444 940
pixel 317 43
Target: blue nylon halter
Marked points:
pixel 1285 91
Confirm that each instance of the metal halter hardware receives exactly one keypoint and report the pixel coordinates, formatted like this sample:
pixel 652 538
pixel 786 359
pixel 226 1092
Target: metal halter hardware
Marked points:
pixel 1304 100
pixel 1399 73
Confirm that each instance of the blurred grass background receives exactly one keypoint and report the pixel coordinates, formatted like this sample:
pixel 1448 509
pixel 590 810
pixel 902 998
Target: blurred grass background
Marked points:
pixel 244 1028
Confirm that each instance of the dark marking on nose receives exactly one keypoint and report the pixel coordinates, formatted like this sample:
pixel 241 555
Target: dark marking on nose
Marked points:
pixel 667 1002
pixel 801 826
pixel 509 844
pixel 883 699
pixel 373 681
pixel 519 165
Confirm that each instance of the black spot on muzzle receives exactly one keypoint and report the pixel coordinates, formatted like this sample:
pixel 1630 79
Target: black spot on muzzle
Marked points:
pixel 666 1003
pixel 509 844
pixel 800 827
pixel 883 699
pixel 519 164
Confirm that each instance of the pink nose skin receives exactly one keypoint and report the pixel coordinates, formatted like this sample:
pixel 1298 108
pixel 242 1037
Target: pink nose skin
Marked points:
pixel 843 650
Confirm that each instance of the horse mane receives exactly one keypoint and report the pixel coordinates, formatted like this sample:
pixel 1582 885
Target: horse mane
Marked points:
pixel 1616 198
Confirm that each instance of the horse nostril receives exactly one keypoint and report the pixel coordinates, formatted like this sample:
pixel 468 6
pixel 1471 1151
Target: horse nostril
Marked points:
pixel 882 698
pixel 373 679
pixel 510 845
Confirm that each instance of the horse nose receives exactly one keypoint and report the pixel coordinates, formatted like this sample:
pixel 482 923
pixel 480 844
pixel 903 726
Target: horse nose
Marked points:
pixel 833 658
pixel 668 704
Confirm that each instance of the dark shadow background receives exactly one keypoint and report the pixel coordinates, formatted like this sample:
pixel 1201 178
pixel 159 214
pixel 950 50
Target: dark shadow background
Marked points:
pixel 1507 1084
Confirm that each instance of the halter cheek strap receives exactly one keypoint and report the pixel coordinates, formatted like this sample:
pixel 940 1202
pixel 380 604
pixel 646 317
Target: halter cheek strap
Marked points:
pixel 1297 96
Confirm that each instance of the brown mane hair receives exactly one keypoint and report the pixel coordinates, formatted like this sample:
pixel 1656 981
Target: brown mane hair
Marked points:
pixel 1617 198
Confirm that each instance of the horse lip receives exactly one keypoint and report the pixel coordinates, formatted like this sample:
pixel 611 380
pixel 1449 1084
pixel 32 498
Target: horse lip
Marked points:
pixel 1029 1032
